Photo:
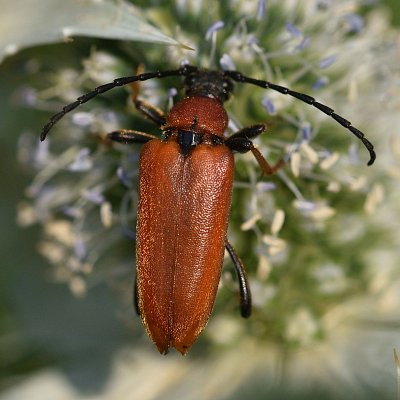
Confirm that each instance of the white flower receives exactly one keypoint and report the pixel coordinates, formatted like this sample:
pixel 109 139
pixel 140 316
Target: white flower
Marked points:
pixel 325 296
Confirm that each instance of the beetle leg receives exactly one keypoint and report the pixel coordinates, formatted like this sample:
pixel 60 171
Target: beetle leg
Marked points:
pixel 128 136
pixel 263 163
pixel 151 112
pixel 244 288
pixel 249 132
pixel 241 144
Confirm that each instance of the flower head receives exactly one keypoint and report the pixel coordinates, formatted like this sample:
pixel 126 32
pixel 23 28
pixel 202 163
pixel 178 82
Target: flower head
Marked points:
pixel 311 236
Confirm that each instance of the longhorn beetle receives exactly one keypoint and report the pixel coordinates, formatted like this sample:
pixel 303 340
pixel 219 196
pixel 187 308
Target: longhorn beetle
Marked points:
pixel 185 185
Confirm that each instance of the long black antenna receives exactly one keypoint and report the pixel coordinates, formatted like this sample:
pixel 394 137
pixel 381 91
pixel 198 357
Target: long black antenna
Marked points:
pixel 239 77
pixel 185 70
pixel 234 75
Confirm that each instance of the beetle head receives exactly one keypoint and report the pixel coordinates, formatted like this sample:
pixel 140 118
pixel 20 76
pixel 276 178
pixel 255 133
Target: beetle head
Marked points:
pixel 208 83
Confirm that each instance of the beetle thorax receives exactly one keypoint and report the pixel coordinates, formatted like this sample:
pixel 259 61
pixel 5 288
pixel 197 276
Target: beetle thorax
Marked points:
pixel 200 114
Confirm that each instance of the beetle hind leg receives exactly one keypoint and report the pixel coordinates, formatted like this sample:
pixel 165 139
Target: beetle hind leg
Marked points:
pixel 244 288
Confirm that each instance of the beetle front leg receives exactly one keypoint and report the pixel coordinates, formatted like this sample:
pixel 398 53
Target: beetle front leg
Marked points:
pixel 244 288
pixel 241 142
pixel 151 112
pixel 127 136
pixel 249 132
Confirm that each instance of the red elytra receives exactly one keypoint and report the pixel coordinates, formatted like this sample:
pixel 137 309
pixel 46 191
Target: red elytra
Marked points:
pixel 185 186
pixel 182 221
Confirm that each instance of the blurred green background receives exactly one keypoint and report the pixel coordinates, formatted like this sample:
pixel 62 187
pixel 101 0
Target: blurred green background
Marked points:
pixel 41 324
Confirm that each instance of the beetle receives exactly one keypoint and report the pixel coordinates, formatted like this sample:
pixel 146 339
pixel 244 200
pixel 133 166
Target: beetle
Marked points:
pixel 185 186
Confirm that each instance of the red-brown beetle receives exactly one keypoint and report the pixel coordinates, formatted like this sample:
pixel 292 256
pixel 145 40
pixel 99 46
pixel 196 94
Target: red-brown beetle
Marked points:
pixel 185 190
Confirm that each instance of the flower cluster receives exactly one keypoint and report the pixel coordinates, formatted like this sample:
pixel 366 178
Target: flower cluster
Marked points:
pixel 310 235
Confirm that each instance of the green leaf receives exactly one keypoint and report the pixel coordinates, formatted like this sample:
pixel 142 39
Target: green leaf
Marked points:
pixel 25 23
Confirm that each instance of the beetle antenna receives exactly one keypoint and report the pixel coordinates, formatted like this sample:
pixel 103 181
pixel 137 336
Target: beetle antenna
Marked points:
pixel 238 77
pixel 185 70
